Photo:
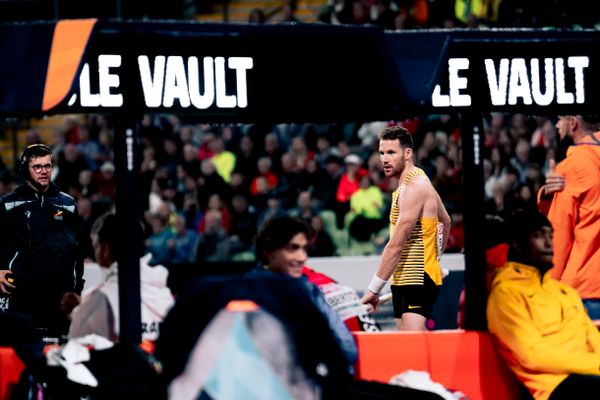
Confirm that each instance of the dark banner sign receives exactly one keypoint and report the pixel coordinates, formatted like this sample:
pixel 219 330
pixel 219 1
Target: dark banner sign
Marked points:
pixel 301 73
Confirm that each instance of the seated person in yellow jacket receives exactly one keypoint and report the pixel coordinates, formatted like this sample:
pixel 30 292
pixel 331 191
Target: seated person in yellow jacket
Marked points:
pixel 541 327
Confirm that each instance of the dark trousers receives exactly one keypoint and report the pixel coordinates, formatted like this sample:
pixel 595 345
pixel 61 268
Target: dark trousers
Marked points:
pixel 577 387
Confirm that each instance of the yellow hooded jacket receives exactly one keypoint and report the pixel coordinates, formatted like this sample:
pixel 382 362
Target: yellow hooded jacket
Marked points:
pixel 542 329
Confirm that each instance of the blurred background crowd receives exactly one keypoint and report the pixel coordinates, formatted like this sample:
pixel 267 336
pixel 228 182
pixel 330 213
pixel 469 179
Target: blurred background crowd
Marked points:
pixel 204 189
pixel 389 14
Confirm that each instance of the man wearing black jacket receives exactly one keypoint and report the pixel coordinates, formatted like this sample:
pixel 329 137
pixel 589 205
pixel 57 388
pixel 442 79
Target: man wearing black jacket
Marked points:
pixel 40 252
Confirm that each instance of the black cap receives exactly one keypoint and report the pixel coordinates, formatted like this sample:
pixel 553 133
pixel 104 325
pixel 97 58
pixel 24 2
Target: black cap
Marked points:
pixel 523 222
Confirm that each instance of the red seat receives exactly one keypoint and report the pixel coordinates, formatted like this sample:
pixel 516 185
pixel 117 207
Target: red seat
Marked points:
pixel 460 360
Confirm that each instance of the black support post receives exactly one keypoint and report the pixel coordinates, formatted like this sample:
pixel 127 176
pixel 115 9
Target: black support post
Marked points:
pixel 475 282
pixel 130 234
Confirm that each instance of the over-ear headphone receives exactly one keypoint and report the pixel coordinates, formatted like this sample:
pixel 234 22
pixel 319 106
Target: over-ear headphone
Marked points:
pixel 33 150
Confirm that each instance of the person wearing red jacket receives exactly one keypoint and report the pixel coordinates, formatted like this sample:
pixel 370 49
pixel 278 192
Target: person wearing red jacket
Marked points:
pixel 348 184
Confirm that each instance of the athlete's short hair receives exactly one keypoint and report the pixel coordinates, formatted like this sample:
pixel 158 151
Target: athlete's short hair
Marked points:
pixel 399 133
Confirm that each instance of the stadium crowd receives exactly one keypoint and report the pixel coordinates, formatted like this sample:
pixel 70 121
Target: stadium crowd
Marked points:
pixel 204 190
pixel 427 14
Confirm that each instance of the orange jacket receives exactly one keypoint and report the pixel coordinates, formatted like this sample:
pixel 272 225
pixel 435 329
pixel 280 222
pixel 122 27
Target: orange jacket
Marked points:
pixel 575 217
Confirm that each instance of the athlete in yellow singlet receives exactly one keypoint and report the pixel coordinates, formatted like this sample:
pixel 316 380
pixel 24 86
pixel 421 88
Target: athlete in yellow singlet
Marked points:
pixel 419 226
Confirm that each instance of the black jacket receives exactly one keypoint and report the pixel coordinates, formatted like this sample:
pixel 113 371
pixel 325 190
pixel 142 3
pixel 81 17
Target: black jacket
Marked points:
pixel 39 242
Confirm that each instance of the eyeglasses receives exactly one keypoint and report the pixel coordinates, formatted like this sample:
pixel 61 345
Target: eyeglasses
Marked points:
pixel 37 168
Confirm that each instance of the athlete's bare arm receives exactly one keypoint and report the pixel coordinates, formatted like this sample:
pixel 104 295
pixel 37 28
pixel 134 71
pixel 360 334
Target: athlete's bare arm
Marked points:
pixel 411 208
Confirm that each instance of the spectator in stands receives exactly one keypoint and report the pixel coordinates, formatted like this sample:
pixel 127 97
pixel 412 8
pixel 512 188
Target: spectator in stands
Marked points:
pixel 427 153
pixel 288 181
pixel 265 171
pixel 321 244
pixel 182 245
pixel 69 163
pixel 211 182
pixel 324 150
pixel 105 145
pixel 335 12
pixel 41 256
pixel 214 245
pixel 206 138
pixel 98 312
pixel 89 147
pixel 245 158
pixel 366 210
pixel 170 154
pixel 300 153
pixel 273 150
pixel 282 247
pixel 571 199
pixel 243 220
pixel 215 202
pixel 257 16
pixel 334 168
pixel 288 11
pixel 157 242
pixel 411 256
pixel 305 207
pixel 445 179
pixel 191 163
pixel 315 180
pixel 359 13
pixel 105 181
pixel 498 169
pixel 32 136
pixel 348 184
pixel 273 209
pixel 520 161
pixel 382 14
pixel 224 160
pixel 542 329
pixel 87 186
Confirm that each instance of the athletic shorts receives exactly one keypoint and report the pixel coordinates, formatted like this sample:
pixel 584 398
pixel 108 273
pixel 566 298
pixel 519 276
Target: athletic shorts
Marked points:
pixel 418 299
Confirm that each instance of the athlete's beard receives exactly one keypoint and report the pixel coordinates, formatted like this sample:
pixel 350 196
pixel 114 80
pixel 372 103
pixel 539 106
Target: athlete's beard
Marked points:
pixel 401 168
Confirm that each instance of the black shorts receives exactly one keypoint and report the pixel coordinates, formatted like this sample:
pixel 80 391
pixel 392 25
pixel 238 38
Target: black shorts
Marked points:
pixel 418 299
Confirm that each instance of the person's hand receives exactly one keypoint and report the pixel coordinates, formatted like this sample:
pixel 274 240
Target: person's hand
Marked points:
pixel 6 285
pixel 554 182
pixel 69 301
pixel 371 301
